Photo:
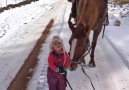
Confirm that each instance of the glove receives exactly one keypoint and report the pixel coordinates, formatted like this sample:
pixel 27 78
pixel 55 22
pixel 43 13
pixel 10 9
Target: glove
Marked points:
pixel 62 70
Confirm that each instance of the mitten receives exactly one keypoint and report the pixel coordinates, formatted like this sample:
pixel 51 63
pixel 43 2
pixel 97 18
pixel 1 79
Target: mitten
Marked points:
pixel 62 70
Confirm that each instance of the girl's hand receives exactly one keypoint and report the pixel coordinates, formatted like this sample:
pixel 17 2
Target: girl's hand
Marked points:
pixel 62 70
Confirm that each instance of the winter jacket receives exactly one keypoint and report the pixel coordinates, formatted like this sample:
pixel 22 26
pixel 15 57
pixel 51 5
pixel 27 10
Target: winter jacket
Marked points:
pixel 59 58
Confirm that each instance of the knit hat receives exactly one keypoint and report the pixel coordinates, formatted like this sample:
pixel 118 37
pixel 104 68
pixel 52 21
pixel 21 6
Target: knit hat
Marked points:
pixel 56 38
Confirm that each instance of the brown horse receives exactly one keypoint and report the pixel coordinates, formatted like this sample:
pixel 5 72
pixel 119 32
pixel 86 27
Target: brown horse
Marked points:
pixel 91 15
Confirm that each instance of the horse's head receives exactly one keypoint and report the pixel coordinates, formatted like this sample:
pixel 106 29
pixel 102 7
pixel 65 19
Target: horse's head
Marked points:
pixel 78 45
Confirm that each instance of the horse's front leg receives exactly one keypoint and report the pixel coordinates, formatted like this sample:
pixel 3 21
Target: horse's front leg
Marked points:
pixel 92 62
pixel 82 60
pixel 94 42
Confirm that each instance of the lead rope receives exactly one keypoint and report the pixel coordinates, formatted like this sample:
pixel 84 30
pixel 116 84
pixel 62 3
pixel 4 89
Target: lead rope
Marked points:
pixel 66 78
pixel 83 72
pixel 103 31
pixel 69 84
pixel 88 52
pixel 88 77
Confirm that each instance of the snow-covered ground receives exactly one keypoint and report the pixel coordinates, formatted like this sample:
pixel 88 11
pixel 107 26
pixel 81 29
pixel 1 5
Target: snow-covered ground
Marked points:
pixel 21 27
pixel 3 3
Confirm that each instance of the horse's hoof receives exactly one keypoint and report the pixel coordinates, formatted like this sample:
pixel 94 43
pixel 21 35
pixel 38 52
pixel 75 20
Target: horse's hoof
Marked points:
pixel 82 64
pixel 92 64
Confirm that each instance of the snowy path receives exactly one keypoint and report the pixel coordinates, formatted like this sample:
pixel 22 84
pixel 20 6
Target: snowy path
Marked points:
pixel 112 60
pixel 39 80
pixel 111 72
pixel 119 40
pixel 15 46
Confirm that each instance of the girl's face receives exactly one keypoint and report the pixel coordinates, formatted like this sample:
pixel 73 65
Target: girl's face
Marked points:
pixel 57 46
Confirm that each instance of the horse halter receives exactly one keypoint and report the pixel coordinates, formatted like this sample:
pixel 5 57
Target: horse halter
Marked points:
pixel 79 60
pixel 83 55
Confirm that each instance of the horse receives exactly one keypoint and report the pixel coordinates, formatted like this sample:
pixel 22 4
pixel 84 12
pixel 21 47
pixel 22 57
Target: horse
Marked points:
pixel 91 15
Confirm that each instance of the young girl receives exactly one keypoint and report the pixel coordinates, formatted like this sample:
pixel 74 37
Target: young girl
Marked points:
pixel 58 62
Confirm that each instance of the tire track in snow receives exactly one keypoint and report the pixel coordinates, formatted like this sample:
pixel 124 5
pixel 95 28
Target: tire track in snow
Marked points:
pixel 25 73
pixel 42 81
pixel 115 47
pixel 118 52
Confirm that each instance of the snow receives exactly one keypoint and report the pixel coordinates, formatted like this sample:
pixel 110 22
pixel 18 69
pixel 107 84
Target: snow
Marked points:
pixel 111 55
pixel 4 2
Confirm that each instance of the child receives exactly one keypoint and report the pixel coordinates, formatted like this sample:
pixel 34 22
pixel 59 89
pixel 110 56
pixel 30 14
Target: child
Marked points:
pixel 58 62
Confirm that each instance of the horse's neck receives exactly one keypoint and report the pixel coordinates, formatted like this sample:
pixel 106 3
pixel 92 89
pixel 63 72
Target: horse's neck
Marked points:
pixel 82 5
